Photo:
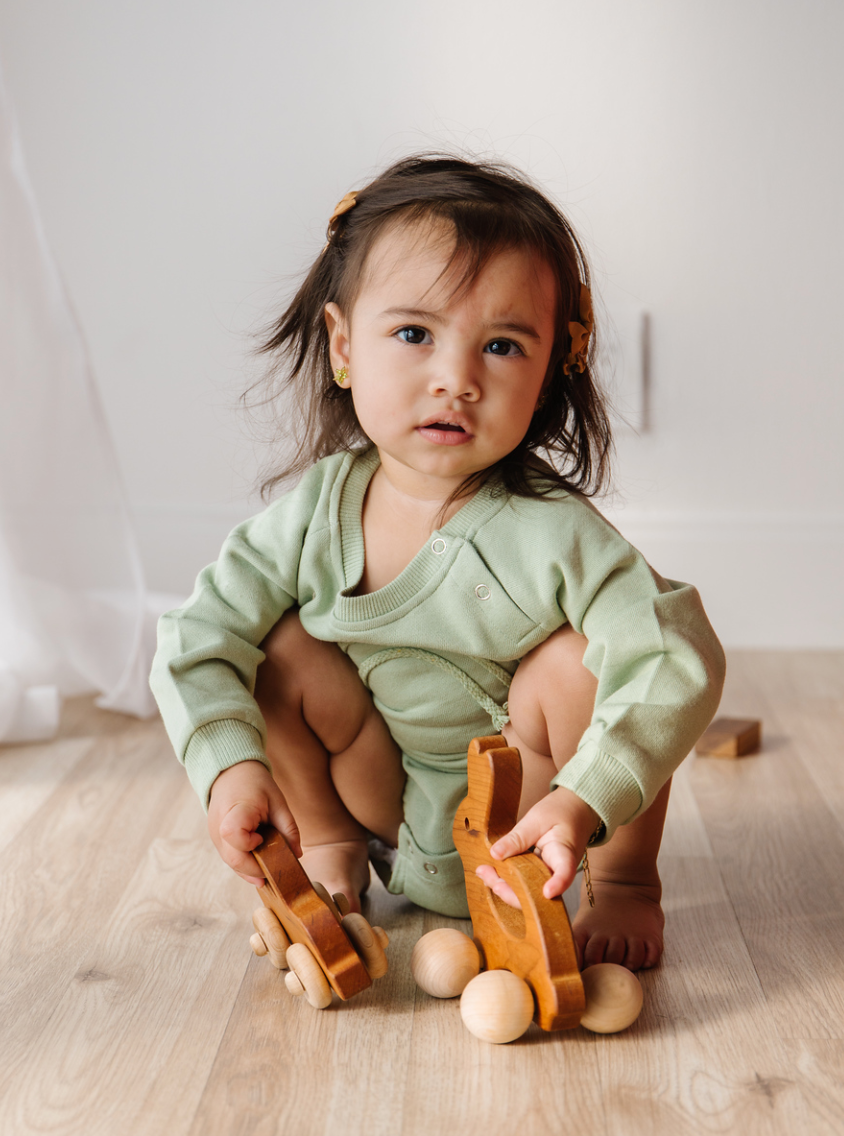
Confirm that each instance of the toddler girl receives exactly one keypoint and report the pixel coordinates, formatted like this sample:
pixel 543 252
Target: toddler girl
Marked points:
pixel 439 574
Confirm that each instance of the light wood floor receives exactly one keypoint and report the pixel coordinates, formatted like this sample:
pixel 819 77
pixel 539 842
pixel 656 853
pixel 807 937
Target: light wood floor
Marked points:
pixel 131 1002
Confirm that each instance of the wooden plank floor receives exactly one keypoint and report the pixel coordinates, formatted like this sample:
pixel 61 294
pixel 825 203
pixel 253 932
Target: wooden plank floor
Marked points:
pixel 131 1003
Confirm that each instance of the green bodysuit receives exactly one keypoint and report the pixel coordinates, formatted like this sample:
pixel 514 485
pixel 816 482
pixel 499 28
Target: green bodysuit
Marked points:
pixel 437 648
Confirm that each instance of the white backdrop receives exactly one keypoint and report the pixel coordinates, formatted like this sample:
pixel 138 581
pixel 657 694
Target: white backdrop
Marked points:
pixel 73 610
pixel 186 157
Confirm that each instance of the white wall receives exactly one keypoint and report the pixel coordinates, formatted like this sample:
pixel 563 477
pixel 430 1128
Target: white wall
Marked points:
pixel 187 156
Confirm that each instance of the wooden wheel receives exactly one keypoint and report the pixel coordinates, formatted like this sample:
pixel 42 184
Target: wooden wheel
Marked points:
pixel 307 918
pixel 369 942
pixel 269 938
pixel 306 977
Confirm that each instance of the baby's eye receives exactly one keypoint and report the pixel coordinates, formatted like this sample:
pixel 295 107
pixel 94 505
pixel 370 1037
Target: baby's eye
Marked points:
pixel 503 347
pixel 413 335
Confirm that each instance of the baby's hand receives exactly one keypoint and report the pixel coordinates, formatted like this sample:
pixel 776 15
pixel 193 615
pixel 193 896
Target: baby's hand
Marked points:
pixel 244 796
pixel 558 827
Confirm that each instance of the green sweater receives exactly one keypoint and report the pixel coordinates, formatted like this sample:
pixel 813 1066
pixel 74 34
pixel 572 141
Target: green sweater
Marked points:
pixel 438 644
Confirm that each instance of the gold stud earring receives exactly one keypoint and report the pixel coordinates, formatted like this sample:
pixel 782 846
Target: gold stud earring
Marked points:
pixel 340 376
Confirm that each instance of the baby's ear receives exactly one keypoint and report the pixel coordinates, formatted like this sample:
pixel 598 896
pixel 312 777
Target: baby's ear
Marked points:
pixel 338 335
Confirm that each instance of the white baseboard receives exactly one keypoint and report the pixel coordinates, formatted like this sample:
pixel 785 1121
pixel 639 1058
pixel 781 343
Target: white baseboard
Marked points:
pixel 767 579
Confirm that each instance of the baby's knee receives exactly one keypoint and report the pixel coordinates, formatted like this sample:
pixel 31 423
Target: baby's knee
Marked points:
pixel 296 663
pixel 552 691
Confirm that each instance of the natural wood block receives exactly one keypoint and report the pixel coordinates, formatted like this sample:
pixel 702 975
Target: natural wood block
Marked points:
pixel 730 737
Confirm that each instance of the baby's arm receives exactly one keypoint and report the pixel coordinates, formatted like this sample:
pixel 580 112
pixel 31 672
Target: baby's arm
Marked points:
pixel 243 797
pixel 559 828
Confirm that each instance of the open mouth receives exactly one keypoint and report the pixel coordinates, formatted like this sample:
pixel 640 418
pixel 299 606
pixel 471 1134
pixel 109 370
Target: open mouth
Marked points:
pixel 446 433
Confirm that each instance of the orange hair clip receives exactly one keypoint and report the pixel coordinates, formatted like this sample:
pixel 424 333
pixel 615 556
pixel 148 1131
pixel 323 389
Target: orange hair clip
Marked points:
pixel 580 334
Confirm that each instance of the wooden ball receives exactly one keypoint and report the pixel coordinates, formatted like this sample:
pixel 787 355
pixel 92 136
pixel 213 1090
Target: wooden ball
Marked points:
pixel 444 962
pixel 497 1006
pixel 613 998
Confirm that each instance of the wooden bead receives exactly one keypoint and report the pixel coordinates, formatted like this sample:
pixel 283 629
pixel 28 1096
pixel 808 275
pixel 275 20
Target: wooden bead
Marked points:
pixel 367 943
pixel 497 1006
pixel 613 998
pixel 444 962
pixel 307 970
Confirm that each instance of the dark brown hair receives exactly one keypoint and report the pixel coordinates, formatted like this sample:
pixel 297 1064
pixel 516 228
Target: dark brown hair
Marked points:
pixel 490 207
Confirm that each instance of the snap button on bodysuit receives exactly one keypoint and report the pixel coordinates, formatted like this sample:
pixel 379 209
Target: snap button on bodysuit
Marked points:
pixel 431 869
pixel 439 546
pixel 482 592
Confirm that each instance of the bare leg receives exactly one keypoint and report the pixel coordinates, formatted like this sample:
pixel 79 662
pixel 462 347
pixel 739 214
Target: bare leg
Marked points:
pixel 331 755
pixel 551 703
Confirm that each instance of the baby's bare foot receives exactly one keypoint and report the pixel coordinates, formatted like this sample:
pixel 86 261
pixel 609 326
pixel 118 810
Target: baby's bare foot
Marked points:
pixel 625 926
pixel 340 867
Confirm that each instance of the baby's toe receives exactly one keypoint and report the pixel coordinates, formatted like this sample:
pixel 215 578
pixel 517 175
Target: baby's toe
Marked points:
pixel 636 954
pixel 653 953
pixel 616 950
pixel 594 950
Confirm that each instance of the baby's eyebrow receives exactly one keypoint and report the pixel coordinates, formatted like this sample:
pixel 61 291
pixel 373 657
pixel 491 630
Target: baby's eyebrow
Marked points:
pixel 435 317
pixel 414 313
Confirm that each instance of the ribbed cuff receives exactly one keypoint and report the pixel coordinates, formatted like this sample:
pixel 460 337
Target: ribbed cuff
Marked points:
pixel 603 783
pixel 217 746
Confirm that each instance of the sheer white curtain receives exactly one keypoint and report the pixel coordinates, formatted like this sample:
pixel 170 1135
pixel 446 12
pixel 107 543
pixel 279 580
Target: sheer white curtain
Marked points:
pixel 72 603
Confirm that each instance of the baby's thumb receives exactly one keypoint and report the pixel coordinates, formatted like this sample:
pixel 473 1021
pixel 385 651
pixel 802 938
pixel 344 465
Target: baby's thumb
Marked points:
pixel 520 839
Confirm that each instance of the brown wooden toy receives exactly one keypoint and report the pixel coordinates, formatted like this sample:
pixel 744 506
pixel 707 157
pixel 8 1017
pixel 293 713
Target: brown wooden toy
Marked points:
pixel 730 737
pixel 535 943
pixel 313 934
pixel 530 961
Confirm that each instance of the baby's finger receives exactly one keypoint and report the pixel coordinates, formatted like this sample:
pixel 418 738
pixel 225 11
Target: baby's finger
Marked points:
pixel 242 863
pixel 256 881
pixel 238 827
pixel 495 884
pixel 563 862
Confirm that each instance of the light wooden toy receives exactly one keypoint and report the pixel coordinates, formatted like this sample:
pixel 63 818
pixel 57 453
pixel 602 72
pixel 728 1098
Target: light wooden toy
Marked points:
pixel 613 998
pixel 497 1006
pixel 730 737
pixel 532 947
pixel 313 934
pixel 444 962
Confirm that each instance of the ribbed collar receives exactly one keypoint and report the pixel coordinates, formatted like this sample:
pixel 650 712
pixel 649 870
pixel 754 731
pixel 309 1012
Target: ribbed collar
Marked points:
pixel 425 571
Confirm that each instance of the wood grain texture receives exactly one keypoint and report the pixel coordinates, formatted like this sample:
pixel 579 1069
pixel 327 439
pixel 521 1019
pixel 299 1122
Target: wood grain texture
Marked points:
pixel 131 1002
pixel 534 943
pixel 306 917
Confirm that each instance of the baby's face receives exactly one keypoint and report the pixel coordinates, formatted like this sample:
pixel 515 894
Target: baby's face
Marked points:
pixel 444 383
